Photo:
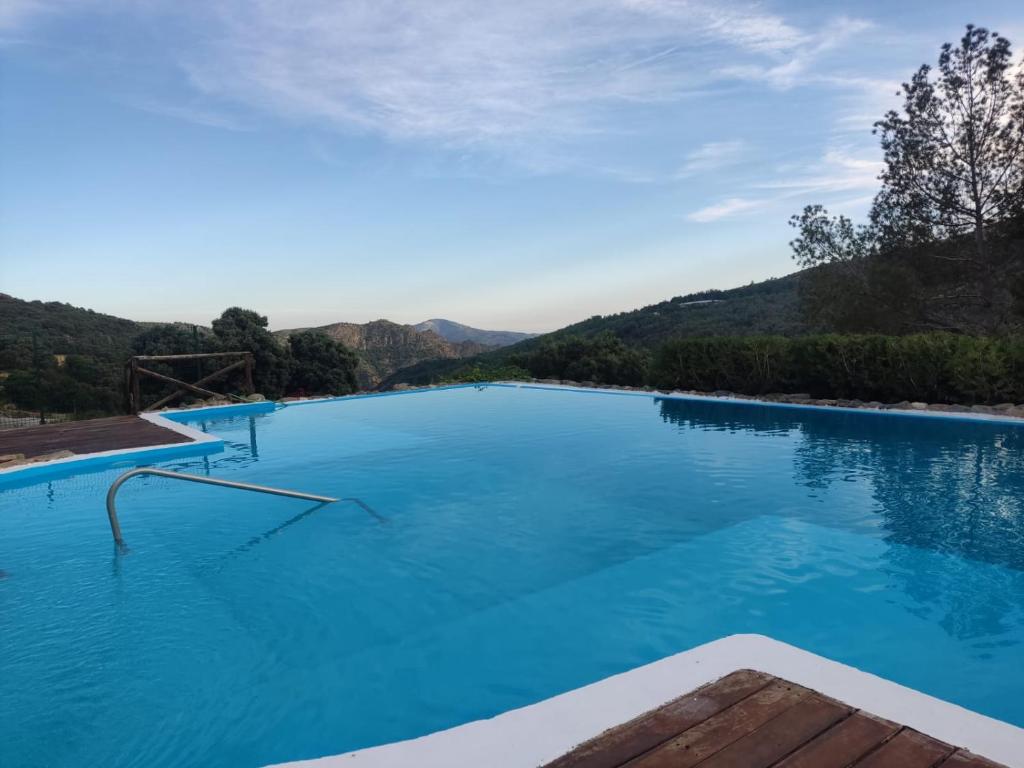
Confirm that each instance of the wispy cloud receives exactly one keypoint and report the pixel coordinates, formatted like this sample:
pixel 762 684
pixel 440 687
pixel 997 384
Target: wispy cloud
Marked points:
pixel 726 209
pixel 481 74
pixel 839 177
pixel 711 156
pixel 526 79
pixel 190 113
pixel 798 68
pixel 838 171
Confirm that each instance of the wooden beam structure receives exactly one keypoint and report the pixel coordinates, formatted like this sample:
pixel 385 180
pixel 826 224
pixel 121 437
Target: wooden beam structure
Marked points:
pixel 134 372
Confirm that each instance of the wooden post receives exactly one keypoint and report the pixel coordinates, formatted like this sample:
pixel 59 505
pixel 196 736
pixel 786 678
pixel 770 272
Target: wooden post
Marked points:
pixel 249 388
pixel 136 399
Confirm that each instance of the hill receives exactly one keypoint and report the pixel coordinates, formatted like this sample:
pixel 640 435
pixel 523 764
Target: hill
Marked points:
pixel 768 307
pixel 384 347
pixel 457 332
pixel 61 329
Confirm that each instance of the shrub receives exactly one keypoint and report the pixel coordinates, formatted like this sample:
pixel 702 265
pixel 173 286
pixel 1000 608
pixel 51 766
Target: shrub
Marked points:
pixel 936 367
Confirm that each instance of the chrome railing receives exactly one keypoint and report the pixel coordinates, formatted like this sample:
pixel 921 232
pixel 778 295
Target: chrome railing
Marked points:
pixel 115 525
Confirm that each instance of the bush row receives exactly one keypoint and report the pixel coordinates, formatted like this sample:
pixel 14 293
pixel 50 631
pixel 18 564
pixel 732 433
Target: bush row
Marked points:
pixel 932 367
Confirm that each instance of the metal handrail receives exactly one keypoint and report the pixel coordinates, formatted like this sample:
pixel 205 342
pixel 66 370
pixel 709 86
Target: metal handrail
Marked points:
pixel 115 525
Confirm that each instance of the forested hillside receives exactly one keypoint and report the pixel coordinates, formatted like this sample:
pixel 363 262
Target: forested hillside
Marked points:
pixel 59 329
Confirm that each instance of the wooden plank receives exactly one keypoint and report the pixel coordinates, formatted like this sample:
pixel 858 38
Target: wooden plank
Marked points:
pixel 205 380
pixel 843 744
pixel 721 730
pixel 781 735
pixel 627 741
pixel 907 749
pixel 964 759
pixel 197 356
pixel 108 434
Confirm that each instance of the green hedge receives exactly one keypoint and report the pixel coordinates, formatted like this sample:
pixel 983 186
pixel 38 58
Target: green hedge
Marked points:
pixel 932 367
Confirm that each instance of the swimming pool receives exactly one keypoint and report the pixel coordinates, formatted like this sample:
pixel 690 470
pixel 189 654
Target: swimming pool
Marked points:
pixel 515 543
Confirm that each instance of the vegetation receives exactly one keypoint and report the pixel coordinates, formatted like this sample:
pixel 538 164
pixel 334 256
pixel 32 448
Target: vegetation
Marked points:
pixel 320 365
pixel 604 358
pixel 934 367
pixel 944 246
pixel 41 368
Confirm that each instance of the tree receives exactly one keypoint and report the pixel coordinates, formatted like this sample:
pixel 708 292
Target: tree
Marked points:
pixel 940 231
pixel 167 339
pixel 321 365
pixel 603 358
pixel 241 330
pixel 955 157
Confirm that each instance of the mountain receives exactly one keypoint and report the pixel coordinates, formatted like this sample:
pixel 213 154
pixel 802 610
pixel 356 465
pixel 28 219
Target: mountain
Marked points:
pixel 384 347
pixel 457 332
pixel 768 307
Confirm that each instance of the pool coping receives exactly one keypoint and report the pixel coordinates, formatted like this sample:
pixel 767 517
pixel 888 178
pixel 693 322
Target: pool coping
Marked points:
pixel 659 394
pixel 202 442
pixel 539 733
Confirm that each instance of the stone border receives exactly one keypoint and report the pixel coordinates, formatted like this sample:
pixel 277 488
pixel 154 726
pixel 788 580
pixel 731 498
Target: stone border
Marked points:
pixel 536 734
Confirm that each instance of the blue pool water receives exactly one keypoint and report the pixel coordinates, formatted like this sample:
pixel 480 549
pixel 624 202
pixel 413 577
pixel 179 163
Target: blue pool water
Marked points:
pixel 519 543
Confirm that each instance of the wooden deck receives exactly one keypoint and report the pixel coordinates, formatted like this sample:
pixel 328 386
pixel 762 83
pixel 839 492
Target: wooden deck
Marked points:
pixel 117 432
pixel 753 720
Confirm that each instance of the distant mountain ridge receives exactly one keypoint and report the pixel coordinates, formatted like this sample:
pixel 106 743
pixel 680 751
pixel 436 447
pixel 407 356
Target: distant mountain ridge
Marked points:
pixel 457 332
pixel 384 347
pixel 768 307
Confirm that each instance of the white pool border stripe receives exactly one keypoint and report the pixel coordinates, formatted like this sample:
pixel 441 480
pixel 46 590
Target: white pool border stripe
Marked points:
pixel 660 394
pixel 534 735
pixel 196 435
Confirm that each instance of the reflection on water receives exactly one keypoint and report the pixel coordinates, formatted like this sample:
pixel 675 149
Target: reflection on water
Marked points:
pixel 954 486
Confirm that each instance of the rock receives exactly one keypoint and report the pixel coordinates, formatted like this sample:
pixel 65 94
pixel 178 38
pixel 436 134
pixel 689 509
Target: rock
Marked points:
pixel 986 409
pixel 401 387
pixel 52 456
pixel 919 406
pixel 11 458
pixel 1003 407
pixel 255 397
pixel 873 404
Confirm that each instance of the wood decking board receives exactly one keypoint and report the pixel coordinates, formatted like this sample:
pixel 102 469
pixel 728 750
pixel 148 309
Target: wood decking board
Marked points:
pixel 752 720
pixel 722 729
pixel 857 735
pixel 657 727
pixel 93 435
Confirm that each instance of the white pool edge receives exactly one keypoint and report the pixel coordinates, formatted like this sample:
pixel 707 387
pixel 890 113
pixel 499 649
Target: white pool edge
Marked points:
pixel 755 401
pixel 536 734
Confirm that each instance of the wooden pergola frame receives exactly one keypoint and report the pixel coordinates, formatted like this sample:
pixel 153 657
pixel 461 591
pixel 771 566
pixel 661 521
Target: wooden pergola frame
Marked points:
pixel 134 372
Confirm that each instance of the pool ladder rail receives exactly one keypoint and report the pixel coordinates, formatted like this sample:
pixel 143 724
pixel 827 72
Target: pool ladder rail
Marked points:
pixel 115 525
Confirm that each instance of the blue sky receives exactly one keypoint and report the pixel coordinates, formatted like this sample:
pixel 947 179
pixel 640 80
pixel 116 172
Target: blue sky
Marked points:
pixel 516 165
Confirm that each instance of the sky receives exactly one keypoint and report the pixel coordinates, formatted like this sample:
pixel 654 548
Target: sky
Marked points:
pixel 510 165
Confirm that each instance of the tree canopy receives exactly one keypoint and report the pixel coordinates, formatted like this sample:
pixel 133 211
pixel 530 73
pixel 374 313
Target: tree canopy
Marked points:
pixel 321 365
pixel 943 243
